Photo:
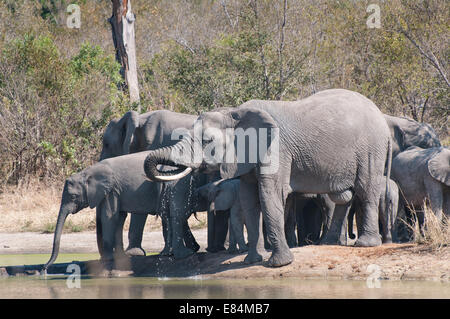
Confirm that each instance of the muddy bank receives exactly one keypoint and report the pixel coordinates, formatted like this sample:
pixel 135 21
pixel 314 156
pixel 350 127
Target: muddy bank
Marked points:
pixel 393 261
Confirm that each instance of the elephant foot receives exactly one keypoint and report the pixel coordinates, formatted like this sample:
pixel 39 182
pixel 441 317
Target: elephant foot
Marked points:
pixel 280 259
pixel 215 249
pixel 333 239
pixel 366 240
pixel 135 251
pixel 252 258
pixel 181 253
pixel 242 249
pixel 165 252
pixel 194 246
pixel 104 273
pixel 387 240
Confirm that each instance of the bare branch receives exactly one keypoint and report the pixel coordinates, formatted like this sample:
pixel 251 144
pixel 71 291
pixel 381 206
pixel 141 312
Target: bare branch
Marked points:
pixel 431 57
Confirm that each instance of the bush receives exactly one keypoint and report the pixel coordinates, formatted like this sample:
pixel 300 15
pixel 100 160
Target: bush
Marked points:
pixel 53 109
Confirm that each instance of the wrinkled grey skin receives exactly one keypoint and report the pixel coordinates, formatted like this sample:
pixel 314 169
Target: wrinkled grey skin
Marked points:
pixel 335 142
pixel 112 186
pixel 424 174
pixel 388 210
pixel 136 132
pixel 311 215
pixel 223 195
pixel 406 132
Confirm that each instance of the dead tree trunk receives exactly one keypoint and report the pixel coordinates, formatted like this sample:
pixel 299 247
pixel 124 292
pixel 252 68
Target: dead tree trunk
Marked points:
pixel 122 24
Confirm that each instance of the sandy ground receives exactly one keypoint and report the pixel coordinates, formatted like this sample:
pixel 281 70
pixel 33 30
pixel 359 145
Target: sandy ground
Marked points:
pixel 393 261
pixel 81 242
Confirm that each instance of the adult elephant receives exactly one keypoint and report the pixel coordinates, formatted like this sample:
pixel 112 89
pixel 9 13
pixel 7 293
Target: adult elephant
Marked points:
pixel 424 174
pixel 136 132
pixel 406 132
pixel 335 142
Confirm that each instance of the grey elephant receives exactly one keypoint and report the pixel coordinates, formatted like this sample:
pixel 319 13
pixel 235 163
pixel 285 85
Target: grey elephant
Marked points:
pixel 311 215
pixel 136 132
pixel 335 142
pixel 406 132
pixel 223 195
pixel 388 210
pixel 424 174
pixel 114 186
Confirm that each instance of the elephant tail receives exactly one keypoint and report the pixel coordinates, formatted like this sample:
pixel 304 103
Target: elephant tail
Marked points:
pixel 388 174
pixel 351 214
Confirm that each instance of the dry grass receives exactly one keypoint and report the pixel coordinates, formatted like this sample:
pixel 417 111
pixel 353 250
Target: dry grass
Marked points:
pixel 435 233
pixel 34 207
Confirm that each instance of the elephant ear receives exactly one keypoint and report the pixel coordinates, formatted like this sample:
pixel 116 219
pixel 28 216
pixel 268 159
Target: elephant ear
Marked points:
pixel 399 140
pixel 99 183
pixel 129 122
pixel 439 166
pixel 253 123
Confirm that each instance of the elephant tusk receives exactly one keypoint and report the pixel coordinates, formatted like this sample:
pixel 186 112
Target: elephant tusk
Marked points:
pixel 174 177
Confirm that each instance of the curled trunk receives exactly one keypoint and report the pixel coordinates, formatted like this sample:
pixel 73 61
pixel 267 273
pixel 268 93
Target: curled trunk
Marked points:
pixel 162 156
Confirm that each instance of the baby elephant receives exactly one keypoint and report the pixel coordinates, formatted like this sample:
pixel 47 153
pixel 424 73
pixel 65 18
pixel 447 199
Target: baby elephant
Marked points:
pixel 424 174
pixel 387 213
pixel 113 186
pixel 223 195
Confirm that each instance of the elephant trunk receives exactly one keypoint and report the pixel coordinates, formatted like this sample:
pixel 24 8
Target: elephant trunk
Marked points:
pixel 63 213
pixel 163 156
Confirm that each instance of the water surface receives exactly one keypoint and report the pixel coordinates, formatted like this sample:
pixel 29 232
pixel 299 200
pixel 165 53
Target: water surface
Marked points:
pixel 56 287
pixel 199 287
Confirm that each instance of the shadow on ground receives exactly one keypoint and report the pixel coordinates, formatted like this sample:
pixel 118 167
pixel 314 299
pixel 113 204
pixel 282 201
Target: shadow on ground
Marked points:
pixel 203 263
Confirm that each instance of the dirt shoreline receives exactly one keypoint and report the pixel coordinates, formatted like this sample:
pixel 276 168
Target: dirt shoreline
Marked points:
pixel 393 261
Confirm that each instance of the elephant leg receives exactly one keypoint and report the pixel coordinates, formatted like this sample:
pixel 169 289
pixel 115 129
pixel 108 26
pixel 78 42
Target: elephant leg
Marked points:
pixel 237 229
pixel 351 215
pixel 189 238
pixel 327 208
pixel 300 220
pixel 211 231
pixel 232 242
pixel 272 206
pixel 369 234
pixel 338 231
pixel 314 224
pixel 289 224
pixel 98 223
pixel 109 220
pixel 178 217
pixel 388 214
pixel 137 224
pixel 249 201
pixel 221 229
pixel 118 236
pixel 435 195
pixel 384 222
pixel 178 247
pixel 167 235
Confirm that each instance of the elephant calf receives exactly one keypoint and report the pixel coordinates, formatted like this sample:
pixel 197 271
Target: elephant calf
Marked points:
pixel 424 174
pixel 114 186
pixel 224 195
pixel 387 213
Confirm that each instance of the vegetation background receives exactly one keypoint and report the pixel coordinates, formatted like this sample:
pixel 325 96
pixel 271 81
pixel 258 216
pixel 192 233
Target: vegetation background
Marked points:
pixel 59 87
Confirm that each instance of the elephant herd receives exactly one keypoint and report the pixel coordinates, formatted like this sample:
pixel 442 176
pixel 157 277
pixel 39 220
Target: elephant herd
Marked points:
pixel 293 173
